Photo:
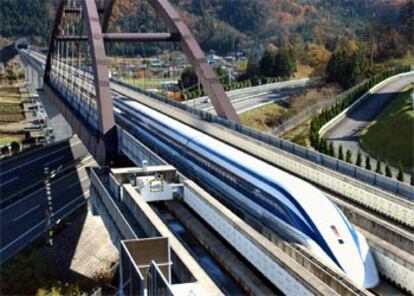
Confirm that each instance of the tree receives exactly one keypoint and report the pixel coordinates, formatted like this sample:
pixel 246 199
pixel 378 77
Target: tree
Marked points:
pixel 340 153
pixel 267 63
pixel 368 163
pixel 331 149
pixel 15 147
pixel 406 22
pixel 284 63
pixel 349 156
pixel 378 169
pixel 222 75
pixel 188 78
pixel 323 146
pixel 5 150
pixel 388 172
pixel 412 177
pixel 400 176
pixel 317 57
pixel 252 71
pixel 359 159
pixel 346 69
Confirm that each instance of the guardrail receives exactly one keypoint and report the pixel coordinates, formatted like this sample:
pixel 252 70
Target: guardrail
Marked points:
pixel 254 89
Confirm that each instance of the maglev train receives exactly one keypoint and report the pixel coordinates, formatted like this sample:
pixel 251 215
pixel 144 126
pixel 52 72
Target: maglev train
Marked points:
pixel 284 202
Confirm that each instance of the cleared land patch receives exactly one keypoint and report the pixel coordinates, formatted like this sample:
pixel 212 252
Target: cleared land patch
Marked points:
pixel 262 118
pixel 11 116
pixel 390 137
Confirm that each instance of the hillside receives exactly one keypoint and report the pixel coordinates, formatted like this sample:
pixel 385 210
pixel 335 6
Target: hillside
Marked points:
pixel 229 25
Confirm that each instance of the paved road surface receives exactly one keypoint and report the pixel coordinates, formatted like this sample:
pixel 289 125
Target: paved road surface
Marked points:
pixel 26 218
pixel 347 132
pixel 22 172
pixel 258 101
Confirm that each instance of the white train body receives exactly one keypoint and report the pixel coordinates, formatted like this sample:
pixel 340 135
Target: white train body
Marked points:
pixel 288 204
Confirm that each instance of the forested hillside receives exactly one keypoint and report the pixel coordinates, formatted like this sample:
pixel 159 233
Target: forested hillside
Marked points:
pixel 229 25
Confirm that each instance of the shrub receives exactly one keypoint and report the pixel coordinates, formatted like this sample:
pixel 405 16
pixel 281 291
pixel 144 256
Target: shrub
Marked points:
pixel 340 153
pixel 400 176
pixel 378 169
pixel 359 159
pixel 388 172
pixel 368 163
pixel 15 147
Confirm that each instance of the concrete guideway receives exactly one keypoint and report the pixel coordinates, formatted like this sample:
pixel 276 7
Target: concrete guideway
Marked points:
pixel 346 128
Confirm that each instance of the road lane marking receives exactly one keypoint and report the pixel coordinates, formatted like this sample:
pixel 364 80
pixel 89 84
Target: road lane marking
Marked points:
pixel 38 158
pixel 37 225
pixel 20 236
pixel 52 161
pixel 11 180
pixel 26 213
pixel 78 171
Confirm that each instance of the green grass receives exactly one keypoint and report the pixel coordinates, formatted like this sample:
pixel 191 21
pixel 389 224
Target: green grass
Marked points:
pixel 10 108
pixel 390 137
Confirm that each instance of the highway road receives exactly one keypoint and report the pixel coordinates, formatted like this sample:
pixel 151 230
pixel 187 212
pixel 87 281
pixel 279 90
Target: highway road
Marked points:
pixel 347 131
pixel 254 97
pixel 259 101
pixel 26 170
pixel 26 219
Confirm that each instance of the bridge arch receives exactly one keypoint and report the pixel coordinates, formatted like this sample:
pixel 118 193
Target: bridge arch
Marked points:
pixel 100 135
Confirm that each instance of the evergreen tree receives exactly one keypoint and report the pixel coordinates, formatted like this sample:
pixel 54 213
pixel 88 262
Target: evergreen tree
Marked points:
pixel 346 68
pixel 349 156
pixel 284 63
pixel 252 71
pixel 359 159
pixel 5 150
pixel 331 149
pixel 340 153
pixel 400 176
pixel 388 172
pixel 267 63
pixel 378 169
pixel 188 78
pixel 368 163
pixel 15 147
pixel 412 177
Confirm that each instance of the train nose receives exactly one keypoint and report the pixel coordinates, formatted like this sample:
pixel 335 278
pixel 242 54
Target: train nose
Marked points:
pixel 371 278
